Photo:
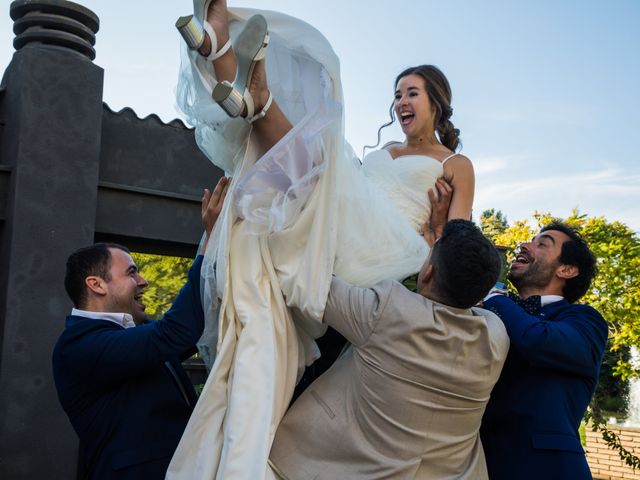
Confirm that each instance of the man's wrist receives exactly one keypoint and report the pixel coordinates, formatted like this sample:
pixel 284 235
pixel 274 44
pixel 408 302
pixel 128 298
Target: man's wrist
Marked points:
pixel 437 230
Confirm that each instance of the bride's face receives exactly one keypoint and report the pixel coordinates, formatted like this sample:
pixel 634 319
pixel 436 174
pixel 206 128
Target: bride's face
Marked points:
pixel 413 107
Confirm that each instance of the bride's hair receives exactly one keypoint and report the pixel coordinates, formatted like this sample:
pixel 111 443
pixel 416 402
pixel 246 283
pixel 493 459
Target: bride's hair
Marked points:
pixel 439 92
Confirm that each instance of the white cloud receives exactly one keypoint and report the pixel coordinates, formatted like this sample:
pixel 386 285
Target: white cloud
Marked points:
pixel 612 192
pixel 493 164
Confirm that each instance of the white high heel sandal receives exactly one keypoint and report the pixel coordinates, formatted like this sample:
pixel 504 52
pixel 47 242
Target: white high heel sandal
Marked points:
pixel 249 47
pixel 192 28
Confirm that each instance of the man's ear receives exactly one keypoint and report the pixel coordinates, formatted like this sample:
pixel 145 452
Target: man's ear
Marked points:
pixel 428 274
pixel 567 271
pixel 96 284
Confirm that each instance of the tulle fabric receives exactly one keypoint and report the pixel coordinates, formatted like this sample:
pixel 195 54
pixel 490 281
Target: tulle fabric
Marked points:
pixel 305 80
pixel 303 211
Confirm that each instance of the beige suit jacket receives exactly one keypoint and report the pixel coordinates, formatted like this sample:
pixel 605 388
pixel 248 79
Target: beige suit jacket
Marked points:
pixel 405 401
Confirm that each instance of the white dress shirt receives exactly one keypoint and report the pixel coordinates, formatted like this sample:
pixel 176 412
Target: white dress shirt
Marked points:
pixel 125 320
pixel 544 299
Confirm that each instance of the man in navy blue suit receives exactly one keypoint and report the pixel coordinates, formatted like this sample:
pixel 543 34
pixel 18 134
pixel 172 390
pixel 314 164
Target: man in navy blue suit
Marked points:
pixel 530 427
pixel 118 375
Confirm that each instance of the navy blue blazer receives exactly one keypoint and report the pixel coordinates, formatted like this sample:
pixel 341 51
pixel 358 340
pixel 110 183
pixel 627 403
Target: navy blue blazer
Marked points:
pixel 125 391
pixel 530 427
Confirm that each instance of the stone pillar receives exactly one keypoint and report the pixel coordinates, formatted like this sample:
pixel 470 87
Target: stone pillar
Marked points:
pixel 51 110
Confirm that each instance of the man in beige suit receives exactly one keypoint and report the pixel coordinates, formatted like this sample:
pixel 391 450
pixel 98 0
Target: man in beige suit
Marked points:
pixel 406 399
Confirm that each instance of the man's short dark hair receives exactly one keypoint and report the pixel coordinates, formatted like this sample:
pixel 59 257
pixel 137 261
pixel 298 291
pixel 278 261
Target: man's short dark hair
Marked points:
pixel 466 264
pixel 576 252
pixel 94 260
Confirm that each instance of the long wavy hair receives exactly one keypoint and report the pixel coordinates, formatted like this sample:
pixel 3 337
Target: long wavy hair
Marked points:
pixel 439 92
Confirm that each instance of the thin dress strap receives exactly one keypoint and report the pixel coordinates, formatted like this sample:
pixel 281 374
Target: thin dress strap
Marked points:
pixel 452 155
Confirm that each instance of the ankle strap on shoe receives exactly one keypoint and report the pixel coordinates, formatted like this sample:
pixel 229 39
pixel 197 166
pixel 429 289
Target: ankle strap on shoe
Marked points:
pixel 262 112
pixel 215 54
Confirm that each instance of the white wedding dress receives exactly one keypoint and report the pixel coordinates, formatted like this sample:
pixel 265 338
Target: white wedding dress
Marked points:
pixel 303 211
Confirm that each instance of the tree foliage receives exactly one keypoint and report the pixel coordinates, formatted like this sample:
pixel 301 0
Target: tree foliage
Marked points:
pixel 616 289
pixel 166 276
pixel 493 223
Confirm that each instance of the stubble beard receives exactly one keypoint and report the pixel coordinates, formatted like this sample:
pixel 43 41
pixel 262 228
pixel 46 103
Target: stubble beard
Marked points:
pixel 536 275
pixel 126 305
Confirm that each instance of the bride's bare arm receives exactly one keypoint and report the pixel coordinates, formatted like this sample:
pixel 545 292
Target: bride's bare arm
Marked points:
pixel 459 173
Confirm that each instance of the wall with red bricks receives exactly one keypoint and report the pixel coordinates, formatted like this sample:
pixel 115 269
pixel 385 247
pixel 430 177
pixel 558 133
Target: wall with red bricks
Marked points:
pixel 604 462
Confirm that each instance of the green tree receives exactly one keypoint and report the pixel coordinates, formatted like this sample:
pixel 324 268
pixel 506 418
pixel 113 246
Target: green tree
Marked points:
pixel 616 290
pixel 493 223
pixel 166 275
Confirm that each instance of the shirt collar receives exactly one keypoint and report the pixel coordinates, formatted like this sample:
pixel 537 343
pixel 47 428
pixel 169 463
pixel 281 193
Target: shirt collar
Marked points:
pixel 547 299
pixel 125 320
pixel 544 299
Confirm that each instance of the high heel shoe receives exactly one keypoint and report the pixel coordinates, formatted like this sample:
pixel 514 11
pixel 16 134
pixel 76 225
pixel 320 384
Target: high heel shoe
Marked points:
pixel 249 47
pixel 192 28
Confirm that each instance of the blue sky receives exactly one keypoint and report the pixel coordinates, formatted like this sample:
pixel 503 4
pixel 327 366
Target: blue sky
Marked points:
pixel 545 92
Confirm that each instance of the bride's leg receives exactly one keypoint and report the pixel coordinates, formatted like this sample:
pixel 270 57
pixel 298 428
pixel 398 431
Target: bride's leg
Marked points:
pixel 274 125
pixel 269 129
pixel 217 16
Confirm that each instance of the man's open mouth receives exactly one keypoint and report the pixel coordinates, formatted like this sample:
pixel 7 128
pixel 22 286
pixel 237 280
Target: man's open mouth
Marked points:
pixel 521 259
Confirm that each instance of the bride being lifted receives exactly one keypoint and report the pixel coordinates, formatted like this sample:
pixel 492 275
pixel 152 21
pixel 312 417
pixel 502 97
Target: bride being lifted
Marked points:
pixel 300 208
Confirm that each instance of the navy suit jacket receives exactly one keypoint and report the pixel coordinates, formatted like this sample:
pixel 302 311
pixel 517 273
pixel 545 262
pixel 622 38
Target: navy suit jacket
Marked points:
pixel 124 402
pixel 530 427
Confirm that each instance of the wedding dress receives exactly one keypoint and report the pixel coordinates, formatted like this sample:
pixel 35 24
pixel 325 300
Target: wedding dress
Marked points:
pixel 305 210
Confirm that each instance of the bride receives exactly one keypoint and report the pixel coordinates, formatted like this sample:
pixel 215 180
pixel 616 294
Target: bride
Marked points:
pixel 302 208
